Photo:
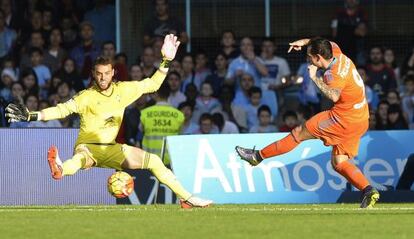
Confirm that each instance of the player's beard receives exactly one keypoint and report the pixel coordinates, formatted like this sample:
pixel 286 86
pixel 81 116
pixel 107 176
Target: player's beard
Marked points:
pixel 103 84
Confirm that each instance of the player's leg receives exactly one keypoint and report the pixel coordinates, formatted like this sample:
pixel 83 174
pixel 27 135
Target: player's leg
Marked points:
pixel 136 158
pixel 288 143
pixel 81 159
pixel 343 165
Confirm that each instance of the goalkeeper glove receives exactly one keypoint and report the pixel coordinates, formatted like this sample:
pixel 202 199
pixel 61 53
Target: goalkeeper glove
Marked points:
pixel 19 112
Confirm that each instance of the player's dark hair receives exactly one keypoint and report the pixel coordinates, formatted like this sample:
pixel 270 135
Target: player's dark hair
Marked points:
pixel 263 108
pixel 164 90
pixel 320 46
pixel 100 60
pixel 254 90
pixel 289 113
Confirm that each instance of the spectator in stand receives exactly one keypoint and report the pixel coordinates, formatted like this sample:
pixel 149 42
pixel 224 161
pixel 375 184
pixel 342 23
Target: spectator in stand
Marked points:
pixel 43 104
pixel 176 66
pixel 382 116
pixel 30 82
pixel 36 40
pixel 70 35
pixel 201 68
pixel 372 120
pixel 206 125
pixel 86 52
pixel 344 27
pixel 255 97
pixel 12 19
pixel 389 60
pixel 248 63
pixel 277 67
pixel 396 119
pixel 228 45
pixel 122 59
pixel 35 25
pixel 408 64
pixel 188 73
pixel 47 25
pixel 265 119
pixel 176 96
pixel 18 93
pixel 242 95
pixel 7 78
pixel 109 51
pixel 135 73
pixel 361 41
pixel 380 77
pixel 408 99
pixel 191 93
pixel 205 102
pixel 393 97
pixel 162 24
pixel 32 104
pixel 54 83
pixel 156 46
pixel 308 94
pixel 102 17
pixel 148 62
pixel 370 95
pixel 69 73
pixel 55 54
pixel 42 72
pixel 7 38
pixel 290 121
pixel 224 126
pixel 64 93
pixel 189 126
pixel 218 76
pixel 231 111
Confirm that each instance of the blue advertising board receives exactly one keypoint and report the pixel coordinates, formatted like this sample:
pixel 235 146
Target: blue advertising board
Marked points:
pixel 208 166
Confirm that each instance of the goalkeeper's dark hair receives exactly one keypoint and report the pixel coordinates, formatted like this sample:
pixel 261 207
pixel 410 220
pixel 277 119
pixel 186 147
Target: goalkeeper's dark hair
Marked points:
pixel 320 46
pixel 102 61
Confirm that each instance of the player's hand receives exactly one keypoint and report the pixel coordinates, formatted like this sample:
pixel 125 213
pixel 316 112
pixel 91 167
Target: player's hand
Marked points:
pixel 312 71
pixel 297 45
pixel 170 47
pixel 17 112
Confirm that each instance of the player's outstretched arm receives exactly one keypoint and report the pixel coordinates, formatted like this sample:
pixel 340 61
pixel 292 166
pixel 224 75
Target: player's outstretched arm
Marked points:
pixel 19 112
pixel 168 51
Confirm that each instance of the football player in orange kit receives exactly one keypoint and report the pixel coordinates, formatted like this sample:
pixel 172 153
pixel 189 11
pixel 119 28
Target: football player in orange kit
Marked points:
pixel 340 127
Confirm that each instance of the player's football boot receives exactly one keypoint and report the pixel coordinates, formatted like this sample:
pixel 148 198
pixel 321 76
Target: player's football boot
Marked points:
pixel 195 202
pixel 370 197
pixel 252 156
pixel 55 163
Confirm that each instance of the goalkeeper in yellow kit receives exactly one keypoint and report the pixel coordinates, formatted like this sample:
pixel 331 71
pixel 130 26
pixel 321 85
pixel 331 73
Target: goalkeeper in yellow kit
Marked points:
pixel 101 108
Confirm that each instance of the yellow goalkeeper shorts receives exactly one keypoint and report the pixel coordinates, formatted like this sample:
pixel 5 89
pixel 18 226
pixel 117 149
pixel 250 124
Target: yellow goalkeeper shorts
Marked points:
pixel 104 155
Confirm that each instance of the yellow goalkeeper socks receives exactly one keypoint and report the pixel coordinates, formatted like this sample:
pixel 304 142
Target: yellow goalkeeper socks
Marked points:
pixel 164 175
pixel 71 166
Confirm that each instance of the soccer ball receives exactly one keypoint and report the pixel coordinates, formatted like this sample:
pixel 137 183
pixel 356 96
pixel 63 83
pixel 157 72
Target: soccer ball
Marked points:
pixel 120 184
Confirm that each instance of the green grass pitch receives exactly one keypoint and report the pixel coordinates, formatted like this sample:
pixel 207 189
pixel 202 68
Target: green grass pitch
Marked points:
pixel 218 221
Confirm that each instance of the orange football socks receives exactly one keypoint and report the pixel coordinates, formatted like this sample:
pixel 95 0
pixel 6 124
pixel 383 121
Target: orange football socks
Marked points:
pixel 352 174
pixel 279 147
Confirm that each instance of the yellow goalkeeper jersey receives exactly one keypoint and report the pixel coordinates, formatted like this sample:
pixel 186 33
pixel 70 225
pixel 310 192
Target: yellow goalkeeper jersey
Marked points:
pixel 101 115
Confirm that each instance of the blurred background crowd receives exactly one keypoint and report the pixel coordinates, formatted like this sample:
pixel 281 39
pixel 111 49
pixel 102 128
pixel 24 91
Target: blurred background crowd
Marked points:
pixel 233 84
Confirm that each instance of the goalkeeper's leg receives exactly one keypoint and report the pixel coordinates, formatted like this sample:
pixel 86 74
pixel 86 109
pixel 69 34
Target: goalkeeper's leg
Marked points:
pixel 139 159
pixel 69 167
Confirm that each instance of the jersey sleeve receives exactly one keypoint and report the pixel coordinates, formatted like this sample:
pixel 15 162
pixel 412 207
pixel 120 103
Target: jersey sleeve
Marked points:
pixel 132 90
pixel 61 110
pixel 336 51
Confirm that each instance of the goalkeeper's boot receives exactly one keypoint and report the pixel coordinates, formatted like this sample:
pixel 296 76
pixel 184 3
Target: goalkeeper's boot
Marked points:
pixel 55 163
pixel 195 202
pixel 252 156
pixel 370 197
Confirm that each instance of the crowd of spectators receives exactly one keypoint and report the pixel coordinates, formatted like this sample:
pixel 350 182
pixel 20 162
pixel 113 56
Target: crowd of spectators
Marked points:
pixel 47 49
